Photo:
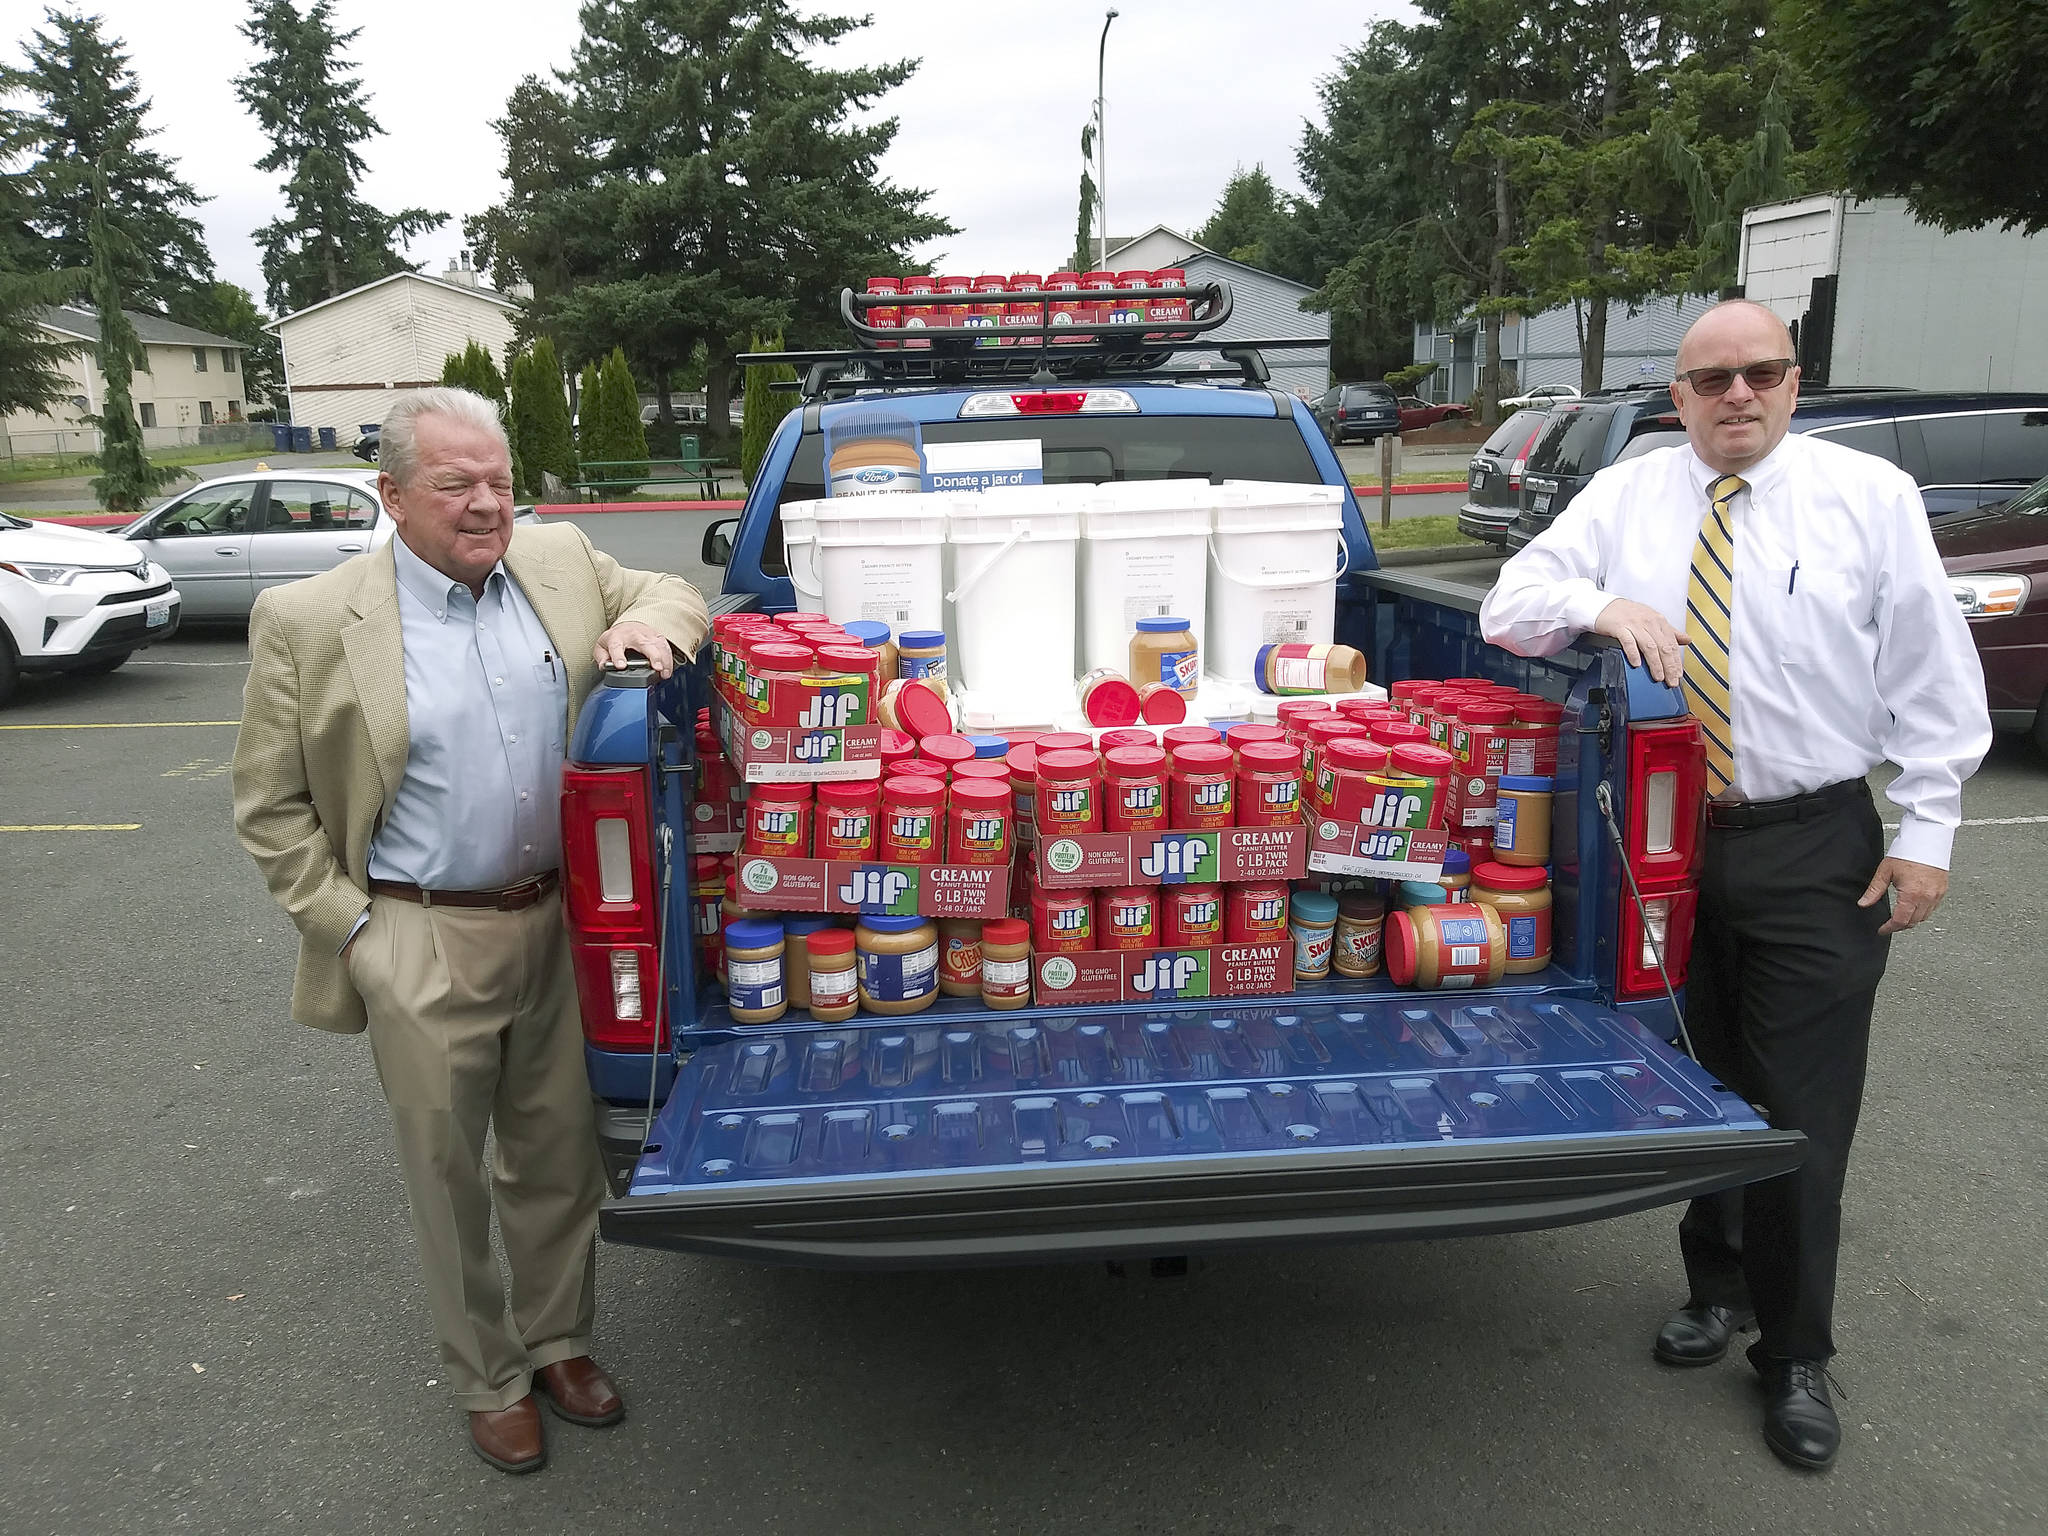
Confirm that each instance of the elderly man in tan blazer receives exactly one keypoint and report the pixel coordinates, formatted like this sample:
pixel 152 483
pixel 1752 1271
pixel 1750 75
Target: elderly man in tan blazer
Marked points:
pixel 398 782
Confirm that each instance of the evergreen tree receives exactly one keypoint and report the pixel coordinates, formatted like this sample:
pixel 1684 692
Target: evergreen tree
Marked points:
pixel 127 479
pixel 520 424
pixel 589 412
pixel 553 451
pixel 455 370
pixel 715 183
pixel 621 437
pixel 227 309
pixel 1246 218
pixel 87 123
pixel 32 376
pixel 316 116
pixel 765 407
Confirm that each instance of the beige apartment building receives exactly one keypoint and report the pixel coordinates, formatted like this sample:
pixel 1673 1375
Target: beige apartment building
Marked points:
pixel 346 358
pixel 191 379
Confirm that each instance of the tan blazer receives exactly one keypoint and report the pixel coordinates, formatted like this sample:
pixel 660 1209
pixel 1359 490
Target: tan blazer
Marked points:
pixel 324 734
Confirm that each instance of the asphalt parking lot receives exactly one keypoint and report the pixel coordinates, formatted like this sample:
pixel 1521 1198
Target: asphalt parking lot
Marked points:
pixel 214 1320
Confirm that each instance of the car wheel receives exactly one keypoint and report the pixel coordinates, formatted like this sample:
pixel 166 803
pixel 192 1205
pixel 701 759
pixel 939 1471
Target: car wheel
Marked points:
pixel 99 667
pixel 2039 731
pixel 9 672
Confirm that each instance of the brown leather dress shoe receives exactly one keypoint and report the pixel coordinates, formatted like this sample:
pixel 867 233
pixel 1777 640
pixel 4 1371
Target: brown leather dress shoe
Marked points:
pixel 510 1439
pixel 580 1392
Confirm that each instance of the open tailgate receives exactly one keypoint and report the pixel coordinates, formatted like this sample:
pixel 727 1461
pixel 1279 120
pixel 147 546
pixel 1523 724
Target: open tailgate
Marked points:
pixel 1138 1132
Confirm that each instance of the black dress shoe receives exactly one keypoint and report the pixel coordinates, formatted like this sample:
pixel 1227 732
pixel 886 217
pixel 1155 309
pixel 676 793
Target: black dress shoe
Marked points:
pixel 1799 1422
pixel 1697 1335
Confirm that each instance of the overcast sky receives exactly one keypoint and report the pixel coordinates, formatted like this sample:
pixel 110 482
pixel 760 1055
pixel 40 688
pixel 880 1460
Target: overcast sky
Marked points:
pixel 990 124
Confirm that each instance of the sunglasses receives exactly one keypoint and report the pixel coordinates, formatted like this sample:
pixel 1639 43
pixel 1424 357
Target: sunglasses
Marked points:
pixel 1709 382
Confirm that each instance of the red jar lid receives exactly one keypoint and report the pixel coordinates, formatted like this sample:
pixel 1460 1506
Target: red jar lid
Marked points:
pixel 1270 756
pixel 919 707
pixel 981 792
pixel 1323 732
pixel 829 941
pixel 1110 701
pixel 989 769
pixel 1407 688
pixel 780 656
pixel 946 749
pixel 853 792
pixel 1022 761
pixel 851 658
pixel 897 746
pixel 1202 757
pixel 910 789
pixel 1136 760
pixel 1367 710
pixel 1538 712
pixel 1065 741
pixel 1509 877
pixel 926 768
pixel 1394 733
pixel 1357 753
pixel 1242 736
pixel 703 866
pixel 793 617
pixel 1022 738
pixel 1397 943
pixel 1005 930
pixel 1485 714
pixel 1293 711
pixel 1161 705
pixel 1112 740
pixel 1190 735
pixel 1066 763
pixel 1422 760
pixel 789 793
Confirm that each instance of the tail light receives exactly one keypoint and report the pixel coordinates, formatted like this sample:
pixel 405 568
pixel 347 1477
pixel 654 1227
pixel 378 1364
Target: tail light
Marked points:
pixel 612 906
pixel 1521 460
pixel 1051 402
pixel 1667 788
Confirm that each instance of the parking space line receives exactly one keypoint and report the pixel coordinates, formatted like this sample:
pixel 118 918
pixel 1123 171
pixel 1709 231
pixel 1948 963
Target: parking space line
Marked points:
pixel 73 826
pixel 1989 821
pixel 120 725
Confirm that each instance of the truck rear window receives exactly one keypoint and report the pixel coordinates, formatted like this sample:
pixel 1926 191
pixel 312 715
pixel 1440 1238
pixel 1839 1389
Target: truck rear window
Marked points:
pixel 1574 443
pixel 1091 449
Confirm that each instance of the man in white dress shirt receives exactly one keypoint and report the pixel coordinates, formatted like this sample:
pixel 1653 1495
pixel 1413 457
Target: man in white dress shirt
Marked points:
pixel 1790 587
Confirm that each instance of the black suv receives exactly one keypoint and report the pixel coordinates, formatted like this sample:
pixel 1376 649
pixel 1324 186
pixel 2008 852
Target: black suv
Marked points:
pixel 1581 438
pixel 1494 481
pixel 1963 451
pixel 1357 413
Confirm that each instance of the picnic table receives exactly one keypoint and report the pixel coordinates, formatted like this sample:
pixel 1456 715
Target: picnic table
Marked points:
pixel 601 475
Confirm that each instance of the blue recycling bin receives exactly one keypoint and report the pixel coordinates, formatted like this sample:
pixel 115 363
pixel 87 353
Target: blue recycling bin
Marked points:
pixel 302 439
pixel 327 439
pixel 280 438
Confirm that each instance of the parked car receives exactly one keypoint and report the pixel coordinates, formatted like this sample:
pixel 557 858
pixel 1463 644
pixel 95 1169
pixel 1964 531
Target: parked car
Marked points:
pixel 1997 561
pixel 1542 394
pixel 366 446
pixel 225 540
pixel 1579 438
pixel 1357 413
pixel 1493 483
pixel 1964 451
pixel 74 600
pixel 1417 413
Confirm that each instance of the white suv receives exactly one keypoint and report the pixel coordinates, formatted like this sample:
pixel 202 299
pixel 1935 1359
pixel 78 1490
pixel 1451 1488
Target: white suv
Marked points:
pixel 72 600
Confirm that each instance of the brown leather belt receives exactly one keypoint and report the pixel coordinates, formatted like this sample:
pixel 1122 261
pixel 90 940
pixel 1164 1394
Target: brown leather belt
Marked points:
pixel 513 898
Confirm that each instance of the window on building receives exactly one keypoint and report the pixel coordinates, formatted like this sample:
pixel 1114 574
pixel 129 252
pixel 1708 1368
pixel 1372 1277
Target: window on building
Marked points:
pixel 234 410
pixel 206 413
pixel 199 359
pixel 227 359
pixel 147 413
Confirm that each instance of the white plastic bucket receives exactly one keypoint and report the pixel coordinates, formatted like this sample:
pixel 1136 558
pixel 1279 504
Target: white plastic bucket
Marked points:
pixel 1144 555
pixel 800 554
pixel 879 558
pixel 1275 554
pixel 1012 590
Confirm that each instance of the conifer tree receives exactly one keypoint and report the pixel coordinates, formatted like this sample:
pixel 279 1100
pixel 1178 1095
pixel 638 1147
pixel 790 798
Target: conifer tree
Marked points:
pixel 127 479
pixel 589 412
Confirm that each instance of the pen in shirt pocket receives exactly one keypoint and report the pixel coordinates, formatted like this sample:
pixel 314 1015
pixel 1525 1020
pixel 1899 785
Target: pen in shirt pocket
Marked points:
pixel 548 657
pixel 1792 580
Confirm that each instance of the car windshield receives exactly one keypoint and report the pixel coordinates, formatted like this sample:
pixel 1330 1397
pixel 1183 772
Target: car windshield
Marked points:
pixel 2033 500
pixel 1573 442
pixel 1090 449
pixel 1512 433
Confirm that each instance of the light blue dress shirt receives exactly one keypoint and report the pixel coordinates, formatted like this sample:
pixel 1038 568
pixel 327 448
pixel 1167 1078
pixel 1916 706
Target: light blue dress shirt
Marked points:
pixel 488 703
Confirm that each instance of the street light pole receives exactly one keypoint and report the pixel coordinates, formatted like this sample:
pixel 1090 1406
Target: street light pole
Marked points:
pixel 1102 136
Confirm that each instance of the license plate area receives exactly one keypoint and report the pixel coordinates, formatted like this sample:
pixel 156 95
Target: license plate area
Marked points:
pixel 156 615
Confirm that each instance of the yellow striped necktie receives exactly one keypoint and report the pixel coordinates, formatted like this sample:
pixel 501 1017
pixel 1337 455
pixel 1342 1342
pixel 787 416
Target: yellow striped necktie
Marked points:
pixel 1709 625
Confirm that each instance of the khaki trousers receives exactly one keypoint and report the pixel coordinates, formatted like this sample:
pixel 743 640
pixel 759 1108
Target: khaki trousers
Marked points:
pixel 474 1025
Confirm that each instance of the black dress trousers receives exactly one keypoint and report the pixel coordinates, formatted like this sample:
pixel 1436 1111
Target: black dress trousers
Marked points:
pixel 1784 974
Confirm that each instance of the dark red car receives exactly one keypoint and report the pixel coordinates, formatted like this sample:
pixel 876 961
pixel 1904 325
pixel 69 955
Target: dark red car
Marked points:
pixel 1417 413
pixel 1997 562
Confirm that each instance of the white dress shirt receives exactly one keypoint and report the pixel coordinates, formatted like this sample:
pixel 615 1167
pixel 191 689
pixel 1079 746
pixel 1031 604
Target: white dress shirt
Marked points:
pixel 1848 648
pixel 486 700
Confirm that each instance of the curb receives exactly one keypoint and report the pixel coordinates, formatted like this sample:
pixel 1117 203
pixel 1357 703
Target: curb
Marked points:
pixel 1426 488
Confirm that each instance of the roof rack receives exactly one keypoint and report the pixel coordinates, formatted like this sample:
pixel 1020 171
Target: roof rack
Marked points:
pixel 1054 348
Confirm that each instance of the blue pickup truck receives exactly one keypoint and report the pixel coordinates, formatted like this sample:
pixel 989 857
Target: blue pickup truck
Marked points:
pixel 1348 1110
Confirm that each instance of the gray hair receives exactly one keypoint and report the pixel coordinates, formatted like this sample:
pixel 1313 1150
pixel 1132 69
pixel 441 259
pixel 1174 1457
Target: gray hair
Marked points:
pixel 398 451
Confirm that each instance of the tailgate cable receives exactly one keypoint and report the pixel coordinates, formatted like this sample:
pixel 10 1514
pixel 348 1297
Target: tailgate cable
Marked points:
pixel 1603 797
pixel 668 845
